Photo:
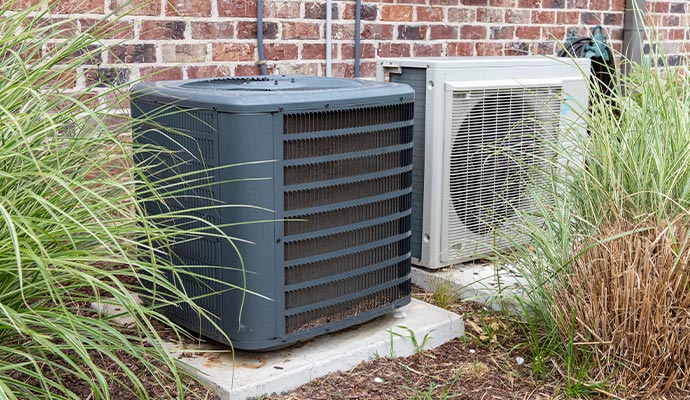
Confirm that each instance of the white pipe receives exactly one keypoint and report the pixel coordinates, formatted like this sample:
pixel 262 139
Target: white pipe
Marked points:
pixel 328 37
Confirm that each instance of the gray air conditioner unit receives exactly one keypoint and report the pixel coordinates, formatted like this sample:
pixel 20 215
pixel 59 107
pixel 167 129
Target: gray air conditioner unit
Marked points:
pixel 480 122
pixel 331 157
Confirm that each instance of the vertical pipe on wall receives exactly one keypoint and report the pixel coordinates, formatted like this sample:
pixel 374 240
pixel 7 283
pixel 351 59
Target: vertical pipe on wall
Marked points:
pixel 260 36
pixel 633 32
pixel 358 33
pixel 329 18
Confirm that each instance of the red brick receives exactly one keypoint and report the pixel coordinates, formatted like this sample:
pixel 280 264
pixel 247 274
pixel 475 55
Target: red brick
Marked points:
pixel 342 31
pixel 302 68
pixel 77 6
pixel 282 9
pixel 527 32
pixel 377 32
pixel 553 4
pixel 280 51
pixel 489 49
pixel 590 18
pixel 502 3
pixel 341 70
pixel 426 50
pixel 617 5
pixel 233 51
pixel 490 15
pixel 613 19
pixel 660 7
pixel 213 30
pixel 567 17
pixel 367 69
pixel 368 12
pixel 394 50
pixel 443 32
pixel 671 20
pixel 433 14
pixel 475 2
pixel 579 4
pixel 347 51
pixel 460 49
pixel 116 29
pixel 208 71
pixel 18 5
pixel 396 13
pixel 237 8
pixel 443 2
pixel 247 30
pixel 516 49
pixel 318 10
pixel 462 15
pixel 153 30
pixel 300 30
pixel 677 34
pixel 136 7
pixel 543 17
pixel 473 32
pixel 547 48
pixel 553 32
pixel 188 8
pixel 517 17
pixel 313 51
pixel 501 32
pixel 599 4
pixel 530 3
pixel 187 52
pixel 132 53
pixel 412 32
pixel 250 69
pixel 161 73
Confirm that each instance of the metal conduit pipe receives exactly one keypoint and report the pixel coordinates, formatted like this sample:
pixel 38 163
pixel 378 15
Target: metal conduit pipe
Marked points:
pixel 260 35
pixel 329 18
pixel 633 32
pixel 358 33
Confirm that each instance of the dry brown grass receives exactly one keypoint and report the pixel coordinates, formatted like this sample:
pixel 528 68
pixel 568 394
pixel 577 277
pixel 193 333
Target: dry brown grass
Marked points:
pixel 629 293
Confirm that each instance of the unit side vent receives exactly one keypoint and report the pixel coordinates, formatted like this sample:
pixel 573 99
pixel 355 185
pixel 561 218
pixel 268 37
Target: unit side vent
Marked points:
pixel 347 216
pixel 339 241
pixel 343 287
pixel 347 309
pixel 346 192
pixel 176 118
pixel 332 145
pixel 295 175
pixel 348 118
pixel 343 264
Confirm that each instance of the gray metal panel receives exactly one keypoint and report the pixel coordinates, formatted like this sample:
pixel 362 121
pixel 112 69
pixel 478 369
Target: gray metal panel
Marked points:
pixel 270 93
pixel 248 138
pixel 416 78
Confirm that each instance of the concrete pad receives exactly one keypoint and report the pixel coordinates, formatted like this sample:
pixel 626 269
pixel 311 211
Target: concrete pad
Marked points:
pixel 253 374
pixel 486 283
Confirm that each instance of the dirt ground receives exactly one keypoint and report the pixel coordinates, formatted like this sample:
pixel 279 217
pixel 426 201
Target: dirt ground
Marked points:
pixel 488 363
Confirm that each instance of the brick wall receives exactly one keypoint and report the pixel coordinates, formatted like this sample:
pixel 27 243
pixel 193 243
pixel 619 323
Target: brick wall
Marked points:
pixel 198 38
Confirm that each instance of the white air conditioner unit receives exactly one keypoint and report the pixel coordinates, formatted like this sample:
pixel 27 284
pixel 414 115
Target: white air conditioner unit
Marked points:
pixel 479 123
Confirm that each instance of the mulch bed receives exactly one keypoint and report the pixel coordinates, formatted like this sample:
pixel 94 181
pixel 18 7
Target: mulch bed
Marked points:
pixel 482 365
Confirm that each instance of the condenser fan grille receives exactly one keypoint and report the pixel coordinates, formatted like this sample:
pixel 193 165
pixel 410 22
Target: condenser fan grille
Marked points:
pixel 497 138
pixel 347 195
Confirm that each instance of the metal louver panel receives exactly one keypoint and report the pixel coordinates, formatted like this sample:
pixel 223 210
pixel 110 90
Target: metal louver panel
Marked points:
pixel 496 137
pixel 347 196
pixel 182 146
